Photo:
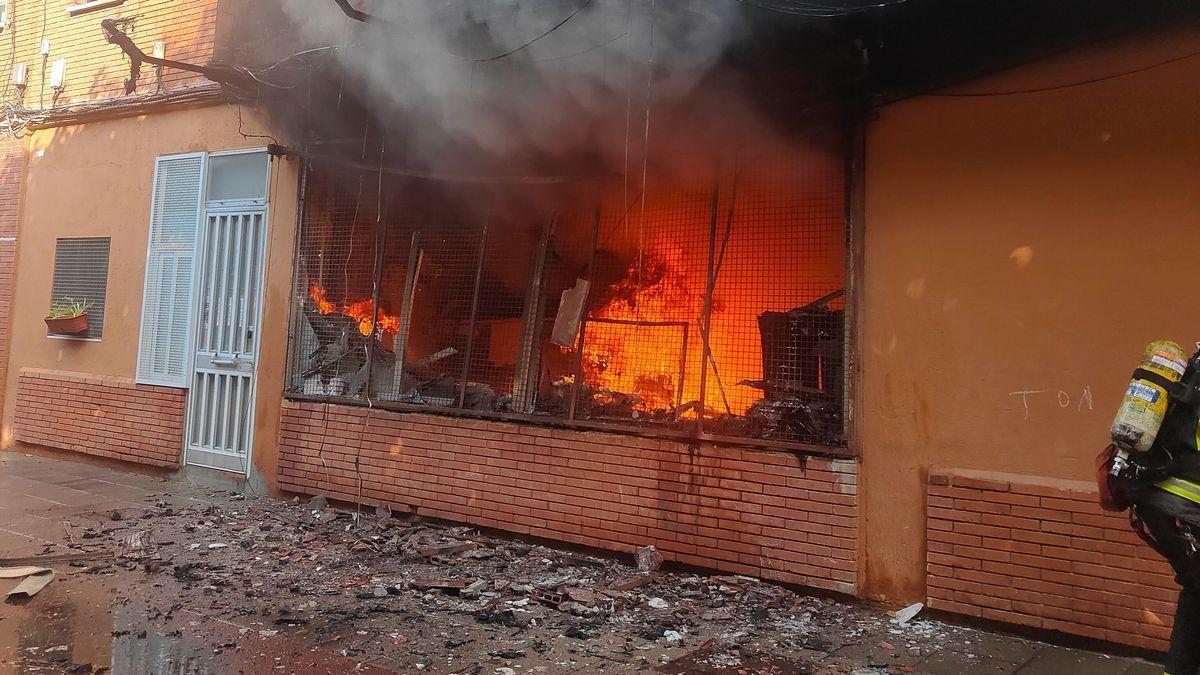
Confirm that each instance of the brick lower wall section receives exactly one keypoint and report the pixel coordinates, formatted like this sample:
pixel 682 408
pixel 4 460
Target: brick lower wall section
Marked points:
pixel 12 172
pixel 105 416
pixel 8 259
pixel 771 515
pixel 1040 552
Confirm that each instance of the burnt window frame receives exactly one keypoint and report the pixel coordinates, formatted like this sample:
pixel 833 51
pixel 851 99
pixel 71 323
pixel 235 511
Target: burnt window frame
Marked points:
pixel 851 225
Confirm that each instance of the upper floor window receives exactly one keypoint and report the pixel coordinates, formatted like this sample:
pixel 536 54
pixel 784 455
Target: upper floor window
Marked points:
pixel 237 176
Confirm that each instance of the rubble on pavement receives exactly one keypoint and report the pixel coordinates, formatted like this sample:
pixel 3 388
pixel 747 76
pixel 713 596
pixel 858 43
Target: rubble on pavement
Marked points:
pixel 412 595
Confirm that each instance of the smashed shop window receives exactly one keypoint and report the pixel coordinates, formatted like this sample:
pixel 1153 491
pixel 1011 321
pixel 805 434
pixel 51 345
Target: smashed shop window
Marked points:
pixel 711 307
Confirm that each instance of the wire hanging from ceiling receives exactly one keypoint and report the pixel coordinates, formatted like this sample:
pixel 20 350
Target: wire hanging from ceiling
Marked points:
pixel 815 9
pixel 1068 85
pixel 359 15
pixel 543 35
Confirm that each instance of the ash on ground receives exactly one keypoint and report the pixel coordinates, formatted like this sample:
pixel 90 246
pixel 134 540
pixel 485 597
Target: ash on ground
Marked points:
pixel 411 595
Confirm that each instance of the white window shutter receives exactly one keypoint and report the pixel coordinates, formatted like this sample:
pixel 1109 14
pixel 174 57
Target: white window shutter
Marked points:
pixel 165 344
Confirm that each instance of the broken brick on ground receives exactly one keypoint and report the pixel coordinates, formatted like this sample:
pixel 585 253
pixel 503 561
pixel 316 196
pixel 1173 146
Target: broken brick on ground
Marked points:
pixel 407 595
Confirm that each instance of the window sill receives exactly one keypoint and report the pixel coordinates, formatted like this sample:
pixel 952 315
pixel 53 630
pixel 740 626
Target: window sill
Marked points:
pixel 92 5
pixel 55 336
pixel 615 427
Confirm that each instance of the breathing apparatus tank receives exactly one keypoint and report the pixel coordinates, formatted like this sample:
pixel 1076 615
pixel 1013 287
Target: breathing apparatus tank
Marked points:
pixel 1145 403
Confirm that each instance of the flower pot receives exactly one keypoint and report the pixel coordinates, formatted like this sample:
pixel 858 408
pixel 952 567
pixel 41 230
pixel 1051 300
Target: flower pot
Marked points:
pixel 73 325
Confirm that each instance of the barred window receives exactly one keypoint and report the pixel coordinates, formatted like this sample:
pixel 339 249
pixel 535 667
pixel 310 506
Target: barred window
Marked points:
pixel 81 275
pixel 710 307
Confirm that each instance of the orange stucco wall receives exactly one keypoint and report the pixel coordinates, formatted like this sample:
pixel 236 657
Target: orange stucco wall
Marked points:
pixel 1019 243
pixel 97 180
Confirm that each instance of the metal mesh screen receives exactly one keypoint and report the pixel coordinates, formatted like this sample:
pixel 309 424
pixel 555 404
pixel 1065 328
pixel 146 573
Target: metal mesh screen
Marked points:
pixel 776 364
pixel 81 275
pixel 335 280
pixel 646 297
pixel 441 316
pixel 713 307
pixel 631 368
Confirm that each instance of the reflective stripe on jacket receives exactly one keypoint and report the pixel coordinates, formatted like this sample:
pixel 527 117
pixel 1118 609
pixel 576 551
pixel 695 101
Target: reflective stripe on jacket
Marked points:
pixel 1182 488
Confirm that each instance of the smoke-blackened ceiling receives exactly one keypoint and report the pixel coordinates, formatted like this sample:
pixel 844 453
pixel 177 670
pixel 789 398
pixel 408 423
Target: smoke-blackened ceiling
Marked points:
pixel 565 87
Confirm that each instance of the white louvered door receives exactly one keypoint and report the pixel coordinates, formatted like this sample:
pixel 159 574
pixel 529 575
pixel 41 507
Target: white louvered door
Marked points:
pixel 220 415
pixel 164 346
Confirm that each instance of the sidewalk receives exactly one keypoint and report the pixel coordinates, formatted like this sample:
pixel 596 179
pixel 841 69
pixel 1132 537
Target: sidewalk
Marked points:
pixel 166 576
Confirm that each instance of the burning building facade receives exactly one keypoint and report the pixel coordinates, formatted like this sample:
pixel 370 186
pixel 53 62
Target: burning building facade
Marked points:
pixel 692 274
pixel 675 264
pixel 581 286
pixel 713 311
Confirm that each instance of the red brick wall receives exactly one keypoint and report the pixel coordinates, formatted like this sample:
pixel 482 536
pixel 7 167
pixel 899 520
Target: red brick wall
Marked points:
pixel 12 170
pixel 1040 552
pixel 95 68
pixel 744 511
pixel 106 416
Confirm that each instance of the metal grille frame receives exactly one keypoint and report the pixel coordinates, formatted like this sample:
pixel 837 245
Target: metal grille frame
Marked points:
pixel 832 372
pixel 228 339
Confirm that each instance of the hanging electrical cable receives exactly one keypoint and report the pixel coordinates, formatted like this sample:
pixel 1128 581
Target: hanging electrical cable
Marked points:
pixel 361 16
pixel 815 9
pixel 1069 85
pixel 19 120
pixel 545 34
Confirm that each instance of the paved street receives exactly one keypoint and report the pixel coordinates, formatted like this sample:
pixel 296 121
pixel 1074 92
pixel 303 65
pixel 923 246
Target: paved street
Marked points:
pixel 232 606
pixel 86 622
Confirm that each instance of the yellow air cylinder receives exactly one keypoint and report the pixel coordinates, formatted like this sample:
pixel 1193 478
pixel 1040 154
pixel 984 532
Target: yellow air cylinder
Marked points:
pixel 1145 402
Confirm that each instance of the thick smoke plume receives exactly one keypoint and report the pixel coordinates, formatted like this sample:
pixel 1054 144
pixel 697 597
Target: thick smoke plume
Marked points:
pixel 534 85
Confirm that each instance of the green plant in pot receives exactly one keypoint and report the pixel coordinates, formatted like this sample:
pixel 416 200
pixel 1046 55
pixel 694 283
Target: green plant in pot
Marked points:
pixel 68 316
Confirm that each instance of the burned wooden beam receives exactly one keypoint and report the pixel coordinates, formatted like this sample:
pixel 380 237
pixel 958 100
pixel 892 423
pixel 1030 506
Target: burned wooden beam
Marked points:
pixel 359 15
pixel 236 78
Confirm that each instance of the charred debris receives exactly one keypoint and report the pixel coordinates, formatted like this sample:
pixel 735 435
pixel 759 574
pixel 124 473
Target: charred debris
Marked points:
pixel 398 591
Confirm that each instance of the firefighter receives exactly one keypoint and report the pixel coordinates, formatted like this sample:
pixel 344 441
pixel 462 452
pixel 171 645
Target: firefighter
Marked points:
pixel 1167 515
pixel 1153 469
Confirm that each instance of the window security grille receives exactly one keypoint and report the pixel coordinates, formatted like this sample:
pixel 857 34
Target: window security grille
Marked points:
pixel 81 274
pixel 713 307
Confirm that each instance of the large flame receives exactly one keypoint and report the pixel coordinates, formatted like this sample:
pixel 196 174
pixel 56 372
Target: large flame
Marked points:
pixel 361 311
pixel 643 359
pixel 785 251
